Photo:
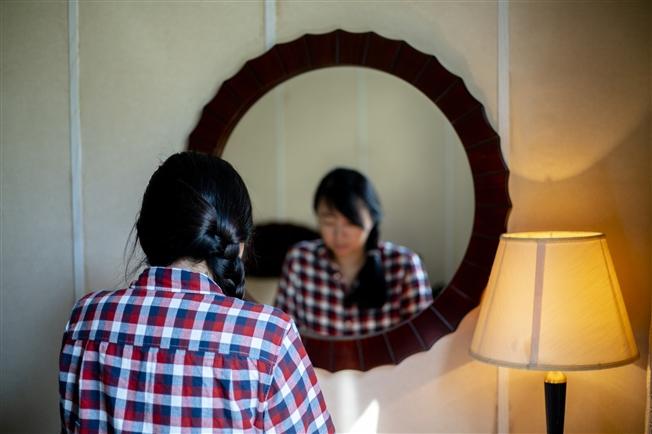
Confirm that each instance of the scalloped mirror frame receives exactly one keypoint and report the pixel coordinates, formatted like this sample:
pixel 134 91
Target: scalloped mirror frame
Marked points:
pixel 467 116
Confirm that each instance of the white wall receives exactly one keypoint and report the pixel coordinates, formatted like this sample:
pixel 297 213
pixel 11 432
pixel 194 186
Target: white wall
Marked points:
pixel 35 227
pixel 580 159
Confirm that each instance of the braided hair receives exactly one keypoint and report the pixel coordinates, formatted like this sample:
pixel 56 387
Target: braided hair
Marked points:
pixel 197 206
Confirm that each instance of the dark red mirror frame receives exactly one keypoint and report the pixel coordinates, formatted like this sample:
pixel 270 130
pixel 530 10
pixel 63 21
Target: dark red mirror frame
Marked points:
pixel 468 118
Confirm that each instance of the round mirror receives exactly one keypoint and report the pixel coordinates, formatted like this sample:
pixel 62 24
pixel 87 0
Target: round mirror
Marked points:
pixel 466 116
pixel 377 124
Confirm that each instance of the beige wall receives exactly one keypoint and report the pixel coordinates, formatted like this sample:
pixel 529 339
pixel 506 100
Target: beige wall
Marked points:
pixel 147 69
pixel 580 159
pixel 35 228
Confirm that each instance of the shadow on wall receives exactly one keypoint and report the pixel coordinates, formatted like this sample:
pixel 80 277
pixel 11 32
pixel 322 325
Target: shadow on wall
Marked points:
pixel 413 396
pixel 612 195
pixel 34 376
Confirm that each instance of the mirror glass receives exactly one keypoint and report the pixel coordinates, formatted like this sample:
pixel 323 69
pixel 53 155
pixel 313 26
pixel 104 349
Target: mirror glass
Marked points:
pixel 370 121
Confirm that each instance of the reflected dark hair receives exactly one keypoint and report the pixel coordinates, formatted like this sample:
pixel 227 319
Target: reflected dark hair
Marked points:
pixel 345 190
pixel 197 206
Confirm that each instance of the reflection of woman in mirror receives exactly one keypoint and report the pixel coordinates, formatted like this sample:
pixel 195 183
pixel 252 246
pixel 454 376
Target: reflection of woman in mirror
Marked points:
pixel 178 350
pixel 349 282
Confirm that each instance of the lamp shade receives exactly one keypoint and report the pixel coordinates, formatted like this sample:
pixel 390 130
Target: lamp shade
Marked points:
pixel 553 303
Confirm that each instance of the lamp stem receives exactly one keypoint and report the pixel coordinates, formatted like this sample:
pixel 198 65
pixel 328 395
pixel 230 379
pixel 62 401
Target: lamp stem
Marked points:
pixel 555 389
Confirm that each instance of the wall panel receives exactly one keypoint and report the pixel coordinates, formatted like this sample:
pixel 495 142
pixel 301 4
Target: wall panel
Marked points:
pixel 35 225
pixel 580 160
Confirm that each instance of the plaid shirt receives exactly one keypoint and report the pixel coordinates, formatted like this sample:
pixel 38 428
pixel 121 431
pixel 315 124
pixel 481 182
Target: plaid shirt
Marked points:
pixel 172 353
pixel 311 290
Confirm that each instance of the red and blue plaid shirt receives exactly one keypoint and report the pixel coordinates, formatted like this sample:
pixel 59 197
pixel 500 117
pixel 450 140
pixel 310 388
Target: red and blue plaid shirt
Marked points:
pixel 312 292
pixel 172 353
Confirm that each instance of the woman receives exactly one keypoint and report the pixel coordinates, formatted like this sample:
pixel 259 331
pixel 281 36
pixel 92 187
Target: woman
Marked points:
pixel 348 282
pixel 178 350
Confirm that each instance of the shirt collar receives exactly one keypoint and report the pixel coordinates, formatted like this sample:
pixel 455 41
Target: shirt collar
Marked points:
pixel 176 280
pixel 325 255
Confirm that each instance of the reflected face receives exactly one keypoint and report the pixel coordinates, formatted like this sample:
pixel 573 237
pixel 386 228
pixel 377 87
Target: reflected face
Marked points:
pixel 340 235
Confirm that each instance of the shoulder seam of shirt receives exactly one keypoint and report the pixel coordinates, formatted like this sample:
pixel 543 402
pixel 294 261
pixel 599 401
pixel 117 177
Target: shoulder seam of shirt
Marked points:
pixel 71 334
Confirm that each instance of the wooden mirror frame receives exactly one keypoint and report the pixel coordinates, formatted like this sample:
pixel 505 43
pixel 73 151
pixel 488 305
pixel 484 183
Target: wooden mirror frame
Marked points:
pixel 467 116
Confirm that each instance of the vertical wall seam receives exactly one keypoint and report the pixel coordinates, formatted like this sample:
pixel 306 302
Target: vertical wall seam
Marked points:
pixel 79 278
pixel 279 121
pixel 270 23
pixel 502 423
pixel 504 115
pixel 504 130
pixel 279 144
pixel 362 120
pixel 449 182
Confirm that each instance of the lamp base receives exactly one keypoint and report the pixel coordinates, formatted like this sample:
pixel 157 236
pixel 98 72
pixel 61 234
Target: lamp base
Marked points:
pixel 555 389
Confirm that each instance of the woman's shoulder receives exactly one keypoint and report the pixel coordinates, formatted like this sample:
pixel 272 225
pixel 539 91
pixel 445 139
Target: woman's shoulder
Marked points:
pixel 90 307
pixel 306 248
pixel 97 314
pixel 261 312
pixel 211 301
pixel 97 297
pixel 388 248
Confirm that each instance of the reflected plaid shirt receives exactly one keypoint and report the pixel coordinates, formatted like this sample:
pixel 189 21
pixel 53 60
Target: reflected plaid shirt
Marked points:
pixel 172 353
pixel 311 290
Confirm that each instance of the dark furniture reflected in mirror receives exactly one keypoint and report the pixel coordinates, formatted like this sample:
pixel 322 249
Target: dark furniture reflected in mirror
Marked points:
pixel 269 244
pixel 466 115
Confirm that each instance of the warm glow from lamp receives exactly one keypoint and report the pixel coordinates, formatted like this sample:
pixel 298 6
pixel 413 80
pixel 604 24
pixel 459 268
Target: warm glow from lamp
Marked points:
pixel 553 303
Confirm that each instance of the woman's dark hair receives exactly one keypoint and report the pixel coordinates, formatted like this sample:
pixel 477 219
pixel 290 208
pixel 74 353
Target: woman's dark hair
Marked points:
pixel 196 206
pixel 345 190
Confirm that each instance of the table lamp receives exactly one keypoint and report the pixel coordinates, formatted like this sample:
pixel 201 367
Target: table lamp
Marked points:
pixel 553 303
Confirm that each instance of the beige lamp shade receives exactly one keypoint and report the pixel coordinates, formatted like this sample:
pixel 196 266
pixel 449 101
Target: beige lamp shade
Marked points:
pixel 553 303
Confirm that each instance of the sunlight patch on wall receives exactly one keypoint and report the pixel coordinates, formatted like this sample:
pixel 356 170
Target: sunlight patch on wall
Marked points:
pixel 368 421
